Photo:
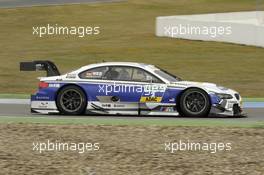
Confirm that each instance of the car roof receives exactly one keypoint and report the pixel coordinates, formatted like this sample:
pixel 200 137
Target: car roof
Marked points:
pixel 133 64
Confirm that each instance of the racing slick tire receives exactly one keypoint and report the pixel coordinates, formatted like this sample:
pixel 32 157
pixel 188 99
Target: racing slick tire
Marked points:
pixel 195 102
pixel 71 100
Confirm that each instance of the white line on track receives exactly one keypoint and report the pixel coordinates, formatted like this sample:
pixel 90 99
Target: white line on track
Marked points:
pixel 14 101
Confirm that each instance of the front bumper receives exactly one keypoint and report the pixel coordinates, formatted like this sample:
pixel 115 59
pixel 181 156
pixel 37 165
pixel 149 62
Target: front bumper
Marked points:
pixel 228 107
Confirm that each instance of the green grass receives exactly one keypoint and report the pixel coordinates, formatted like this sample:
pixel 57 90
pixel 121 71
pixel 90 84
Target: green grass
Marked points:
pixel 15 96
pixel 127 34
pixel 132 122
pixel 253 99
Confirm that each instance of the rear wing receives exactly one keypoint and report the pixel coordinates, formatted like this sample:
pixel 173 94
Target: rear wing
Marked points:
pixel 40 65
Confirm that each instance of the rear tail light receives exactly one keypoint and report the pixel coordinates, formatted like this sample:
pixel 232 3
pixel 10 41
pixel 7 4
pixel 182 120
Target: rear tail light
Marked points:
pixel 43 84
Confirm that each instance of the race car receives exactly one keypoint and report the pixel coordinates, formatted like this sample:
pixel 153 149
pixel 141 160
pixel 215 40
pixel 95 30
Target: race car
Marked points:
pixel 127 88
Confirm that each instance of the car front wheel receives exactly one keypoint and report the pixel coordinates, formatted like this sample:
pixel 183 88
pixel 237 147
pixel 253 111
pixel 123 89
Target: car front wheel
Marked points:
pixel 195 102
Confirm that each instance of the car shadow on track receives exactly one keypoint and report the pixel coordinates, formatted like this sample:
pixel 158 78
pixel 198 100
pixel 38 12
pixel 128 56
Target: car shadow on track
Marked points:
pixel 143 116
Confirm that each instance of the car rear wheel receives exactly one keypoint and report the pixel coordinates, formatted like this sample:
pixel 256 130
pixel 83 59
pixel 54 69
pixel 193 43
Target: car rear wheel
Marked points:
pixel 71 100
pixel 195 103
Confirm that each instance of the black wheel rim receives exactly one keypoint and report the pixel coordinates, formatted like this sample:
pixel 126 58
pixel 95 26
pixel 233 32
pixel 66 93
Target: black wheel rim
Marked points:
pixel 195 102
pixel 71 100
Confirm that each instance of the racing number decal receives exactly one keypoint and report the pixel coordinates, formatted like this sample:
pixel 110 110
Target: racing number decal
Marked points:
pixel 152 93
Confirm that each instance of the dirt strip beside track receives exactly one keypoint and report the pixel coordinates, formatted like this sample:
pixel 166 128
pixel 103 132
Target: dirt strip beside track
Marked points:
pixel 132 150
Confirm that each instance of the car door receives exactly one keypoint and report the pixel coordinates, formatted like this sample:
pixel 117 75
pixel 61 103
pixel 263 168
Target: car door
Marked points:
pixel 120 92
pixel 121 89
pixel 134 89
pixel 109 90
pixel 153 90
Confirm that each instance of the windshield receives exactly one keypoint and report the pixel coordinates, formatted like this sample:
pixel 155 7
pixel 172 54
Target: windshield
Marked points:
pixel 166 75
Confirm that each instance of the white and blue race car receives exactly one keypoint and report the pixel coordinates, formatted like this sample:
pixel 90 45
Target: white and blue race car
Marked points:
pixel 126 88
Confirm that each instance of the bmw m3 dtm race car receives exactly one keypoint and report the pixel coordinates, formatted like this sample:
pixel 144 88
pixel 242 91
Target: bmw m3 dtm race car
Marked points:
pixel 126 88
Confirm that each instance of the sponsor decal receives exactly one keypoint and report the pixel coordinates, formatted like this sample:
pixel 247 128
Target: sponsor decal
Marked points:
pixel 150 99
pixel 107 105
pixel 42 97
pixel 71 76
pixel 54 85
pixel 119 105
pixel 115 98
pixel 167 109
pixel 172 100
pixel 93 74
pixel 43 105
pixel 153 89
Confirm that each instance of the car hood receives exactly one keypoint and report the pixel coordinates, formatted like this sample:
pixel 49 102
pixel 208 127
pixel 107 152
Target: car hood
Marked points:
pixel 209 87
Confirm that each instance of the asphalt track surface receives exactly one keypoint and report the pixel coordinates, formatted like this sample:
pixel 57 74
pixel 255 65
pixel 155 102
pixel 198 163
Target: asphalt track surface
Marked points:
pixel 30 3
pixel 23 110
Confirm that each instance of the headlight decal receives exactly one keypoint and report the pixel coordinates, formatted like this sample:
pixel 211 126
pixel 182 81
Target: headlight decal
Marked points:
pixel 224 96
